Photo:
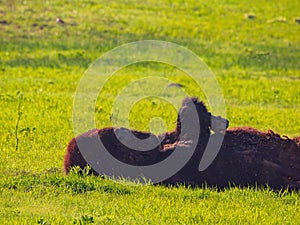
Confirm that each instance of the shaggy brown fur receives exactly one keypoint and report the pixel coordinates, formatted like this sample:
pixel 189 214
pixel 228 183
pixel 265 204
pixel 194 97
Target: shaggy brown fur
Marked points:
pixel 297 140
pixel 249 157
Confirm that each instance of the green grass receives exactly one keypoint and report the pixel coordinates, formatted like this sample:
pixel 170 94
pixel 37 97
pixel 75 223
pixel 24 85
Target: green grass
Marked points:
pixel 59 199
pixel 256 62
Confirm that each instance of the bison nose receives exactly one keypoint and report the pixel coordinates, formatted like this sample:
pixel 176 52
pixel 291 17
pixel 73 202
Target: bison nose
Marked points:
pixel 218 123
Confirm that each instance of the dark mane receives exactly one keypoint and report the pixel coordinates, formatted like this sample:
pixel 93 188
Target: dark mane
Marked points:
pixel 185 115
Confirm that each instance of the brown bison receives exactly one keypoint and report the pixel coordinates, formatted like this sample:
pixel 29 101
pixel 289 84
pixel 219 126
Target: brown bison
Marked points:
pixel 247 157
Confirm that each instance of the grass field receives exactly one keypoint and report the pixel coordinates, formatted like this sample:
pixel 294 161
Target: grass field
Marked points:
pixel 252 47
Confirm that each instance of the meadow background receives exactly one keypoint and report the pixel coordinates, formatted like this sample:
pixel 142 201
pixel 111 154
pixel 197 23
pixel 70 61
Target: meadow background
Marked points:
pixel 252 47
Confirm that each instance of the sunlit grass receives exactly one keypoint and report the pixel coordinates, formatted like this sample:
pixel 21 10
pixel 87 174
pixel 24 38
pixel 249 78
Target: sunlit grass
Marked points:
pixel 255 60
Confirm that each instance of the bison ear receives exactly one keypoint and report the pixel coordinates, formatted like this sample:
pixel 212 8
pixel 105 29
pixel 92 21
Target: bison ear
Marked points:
pixel 195 100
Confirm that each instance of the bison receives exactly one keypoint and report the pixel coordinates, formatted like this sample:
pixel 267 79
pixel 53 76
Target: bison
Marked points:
pixel 247 157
